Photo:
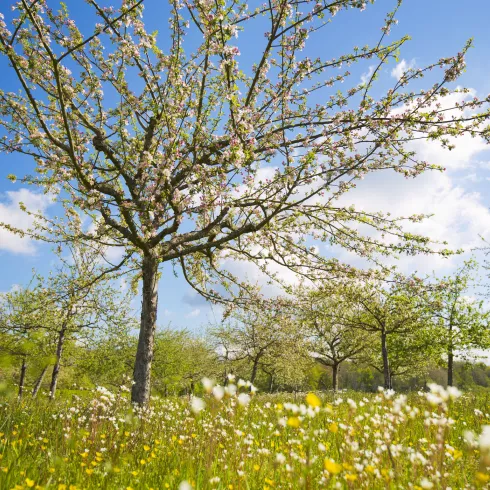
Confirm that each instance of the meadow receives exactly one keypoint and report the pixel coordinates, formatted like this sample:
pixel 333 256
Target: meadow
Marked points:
pixel 233 438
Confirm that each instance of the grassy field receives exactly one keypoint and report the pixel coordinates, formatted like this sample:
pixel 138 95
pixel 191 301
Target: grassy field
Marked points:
pixel 228 440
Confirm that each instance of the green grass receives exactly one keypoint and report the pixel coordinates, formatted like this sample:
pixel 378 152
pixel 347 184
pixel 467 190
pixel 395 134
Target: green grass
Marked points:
pixel 277 441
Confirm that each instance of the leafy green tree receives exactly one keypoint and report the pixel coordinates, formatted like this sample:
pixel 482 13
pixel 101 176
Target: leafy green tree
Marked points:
pixel 263 336
pixel 395 313
pixel 330 341
pixel 25 330
pixel 180 153
pixel 463 320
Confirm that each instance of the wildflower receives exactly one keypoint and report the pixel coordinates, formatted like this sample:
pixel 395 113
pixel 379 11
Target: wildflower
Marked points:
pixel 207 384
pixel 280 458
pixel 482 477
pixel 333 427
pixel 313 400
pixel 332 467
pixel 185 485
pixel 294 422
pixel 30 483
pixel 218 392
pixel 243 399
pixel 425 483
pixel 197 404
pixel 484 439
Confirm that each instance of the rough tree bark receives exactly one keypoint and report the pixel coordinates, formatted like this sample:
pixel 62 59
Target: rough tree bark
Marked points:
pixel 450 357
pixel 57 364
pixel 38 382
pixel 335 377
pixel 140 393
pixel 386 362
pixel 22 378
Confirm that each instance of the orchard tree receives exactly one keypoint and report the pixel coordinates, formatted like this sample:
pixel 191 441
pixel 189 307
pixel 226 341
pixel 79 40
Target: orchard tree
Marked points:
pixel 260 335
pixel 330 341
pixel 25 334
pixel 397 310
pixel 463 320
pixel 84 299
pixel 180 153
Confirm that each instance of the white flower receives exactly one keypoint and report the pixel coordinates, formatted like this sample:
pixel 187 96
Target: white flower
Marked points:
pixel 230 390
pixel 185 485
pixel 218 392
pixel 196 406
pixel 207 384
pixel 425 483
pixel 484 439
pixel 243 399
pixel 280 458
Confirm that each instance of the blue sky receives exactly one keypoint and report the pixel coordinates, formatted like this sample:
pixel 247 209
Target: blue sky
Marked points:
pixel 459 198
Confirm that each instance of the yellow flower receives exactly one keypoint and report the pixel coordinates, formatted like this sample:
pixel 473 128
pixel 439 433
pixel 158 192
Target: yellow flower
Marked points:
pixel 482 477
pixel 51 470
pixel 73 487
pixel 142 461
pixel 332 467
pixel 333 427
pixel 146 448
pixel 89 471
pixel 4 469
pixel 294 422
pixel 369 468
pixel 269 482
pixel 30 483
pixel 313 400
pixel 351 477
pixel 256 467
pixel 61 486
pixel 84 455
pixel 135 473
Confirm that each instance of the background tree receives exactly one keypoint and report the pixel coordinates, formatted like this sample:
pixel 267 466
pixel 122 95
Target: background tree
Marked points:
pixel 391 310
pixel 185 155
pixel 85 300
pixel 26 338
pixel 330 341
pixel 463 320
pixel 260 336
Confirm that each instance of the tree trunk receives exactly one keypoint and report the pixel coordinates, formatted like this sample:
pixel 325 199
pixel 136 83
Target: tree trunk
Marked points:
pixel 57 364
pixel 254 370
pixel 22 378
pixel 450 366
pixel 335 377
pixel 140 392
pixel 39 381
pixel 271 382
pixel 450 357
pixel 386 363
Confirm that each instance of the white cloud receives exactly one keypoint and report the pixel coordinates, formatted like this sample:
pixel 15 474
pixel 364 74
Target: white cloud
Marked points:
pixel 365 77
pixel 195 312
pixel 401 68
pixel 11 214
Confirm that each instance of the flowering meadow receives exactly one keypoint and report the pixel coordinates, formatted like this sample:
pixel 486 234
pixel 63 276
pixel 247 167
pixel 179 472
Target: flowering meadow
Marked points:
pixel 232 438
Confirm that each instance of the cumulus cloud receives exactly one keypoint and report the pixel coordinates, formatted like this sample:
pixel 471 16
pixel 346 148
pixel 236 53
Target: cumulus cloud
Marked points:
pixel 401 68
pixel 11 214
pixel 195 312
pixel 365 77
